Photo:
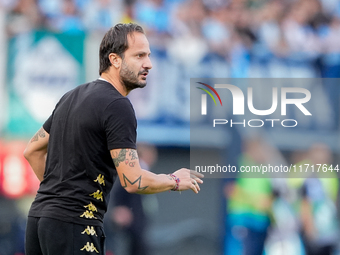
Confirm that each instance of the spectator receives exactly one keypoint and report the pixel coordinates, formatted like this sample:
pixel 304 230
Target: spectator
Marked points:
pixel 317 203
pixel 216 29
pixel 65 18
pixel 101 15
pixel 24 17
pixel 249 206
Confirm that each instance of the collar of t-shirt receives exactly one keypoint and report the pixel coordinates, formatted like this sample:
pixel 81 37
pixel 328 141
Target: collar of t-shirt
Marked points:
pixel 100 78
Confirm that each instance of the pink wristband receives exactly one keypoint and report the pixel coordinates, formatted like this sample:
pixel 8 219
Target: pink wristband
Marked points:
pixel 177 182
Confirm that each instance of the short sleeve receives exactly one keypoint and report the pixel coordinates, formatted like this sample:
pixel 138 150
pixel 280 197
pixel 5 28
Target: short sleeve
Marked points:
pixel 47 125
pixel 120 125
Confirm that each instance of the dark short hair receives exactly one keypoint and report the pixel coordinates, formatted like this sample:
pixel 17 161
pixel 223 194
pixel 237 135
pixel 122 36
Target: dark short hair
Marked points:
pixel 115 41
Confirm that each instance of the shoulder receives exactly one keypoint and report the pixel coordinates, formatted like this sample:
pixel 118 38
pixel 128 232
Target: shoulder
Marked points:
pixel 104 91
pixel 121 106
pixel 75 90
pixel 120 102
pixel 98 91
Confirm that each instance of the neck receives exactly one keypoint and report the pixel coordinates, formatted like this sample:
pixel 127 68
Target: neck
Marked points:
pixel 115 82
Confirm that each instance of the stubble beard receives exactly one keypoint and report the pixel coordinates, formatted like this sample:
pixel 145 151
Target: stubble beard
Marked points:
pixel 129 79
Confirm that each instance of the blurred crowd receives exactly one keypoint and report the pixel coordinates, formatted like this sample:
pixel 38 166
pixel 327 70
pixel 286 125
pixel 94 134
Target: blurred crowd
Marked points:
pixel 240 31
pixel 283 215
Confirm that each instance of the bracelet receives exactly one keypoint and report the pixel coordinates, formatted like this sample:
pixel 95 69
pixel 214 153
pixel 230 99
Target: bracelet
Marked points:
pixel 176 187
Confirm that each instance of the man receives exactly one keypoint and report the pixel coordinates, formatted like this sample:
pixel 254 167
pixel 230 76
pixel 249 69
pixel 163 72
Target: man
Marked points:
pixel 89 140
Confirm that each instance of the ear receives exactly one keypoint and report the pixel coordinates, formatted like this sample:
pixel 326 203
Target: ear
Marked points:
pixel 115 60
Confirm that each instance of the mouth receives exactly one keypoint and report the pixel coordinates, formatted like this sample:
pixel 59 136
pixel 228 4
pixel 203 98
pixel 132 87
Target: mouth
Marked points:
pixel 144 74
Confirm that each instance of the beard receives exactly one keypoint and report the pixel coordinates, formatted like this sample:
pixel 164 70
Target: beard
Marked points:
pixel 129 79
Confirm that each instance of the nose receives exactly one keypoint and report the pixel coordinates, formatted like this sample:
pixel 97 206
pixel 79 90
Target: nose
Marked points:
pixel 147 64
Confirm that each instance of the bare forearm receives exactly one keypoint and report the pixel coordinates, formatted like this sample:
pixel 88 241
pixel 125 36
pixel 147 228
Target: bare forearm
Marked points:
pixel 36 151
pixel 148 183
pixel 136 180
pixel 37 162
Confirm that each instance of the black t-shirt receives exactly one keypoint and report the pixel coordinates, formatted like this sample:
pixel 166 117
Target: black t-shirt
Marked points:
pixel 85 125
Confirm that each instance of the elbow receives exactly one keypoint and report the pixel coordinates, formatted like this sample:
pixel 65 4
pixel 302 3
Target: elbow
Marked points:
pixel 31 154
pixel 27 154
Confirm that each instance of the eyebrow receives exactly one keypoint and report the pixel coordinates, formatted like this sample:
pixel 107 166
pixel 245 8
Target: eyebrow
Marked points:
pixel 142 52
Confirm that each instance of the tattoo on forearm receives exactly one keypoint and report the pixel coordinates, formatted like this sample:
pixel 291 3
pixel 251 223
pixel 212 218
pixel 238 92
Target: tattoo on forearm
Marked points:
pixel 120 157
pixel 40 133
pixel 139 180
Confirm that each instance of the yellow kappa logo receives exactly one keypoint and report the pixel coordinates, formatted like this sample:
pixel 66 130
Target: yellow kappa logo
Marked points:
pixel 98 195
pixel 90 231
pixel 91 207
pixel 100 179
pixel 89 247
pixel 88 215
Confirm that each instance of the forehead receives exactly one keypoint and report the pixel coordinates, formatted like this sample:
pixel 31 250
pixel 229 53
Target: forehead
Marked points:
pixel 137 42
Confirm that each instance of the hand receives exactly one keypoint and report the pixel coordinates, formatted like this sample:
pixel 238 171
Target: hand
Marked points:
pixel 189 179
